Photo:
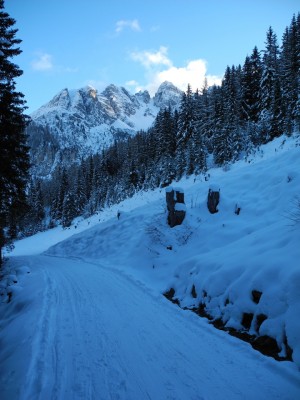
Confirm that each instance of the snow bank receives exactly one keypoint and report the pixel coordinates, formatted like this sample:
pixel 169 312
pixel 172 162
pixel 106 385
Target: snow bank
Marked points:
pixel 225 256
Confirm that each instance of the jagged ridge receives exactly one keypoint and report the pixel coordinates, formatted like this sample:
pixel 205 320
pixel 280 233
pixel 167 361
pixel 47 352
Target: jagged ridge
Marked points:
pixel 78 123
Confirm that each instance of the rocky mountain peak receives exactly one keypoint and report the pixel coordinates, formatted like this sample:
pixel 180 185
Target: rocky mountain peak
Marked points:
pixel 120 100
pixel 81 122
pixel 143 96
pixel 62 99
pixel 167 95
pixel 92 92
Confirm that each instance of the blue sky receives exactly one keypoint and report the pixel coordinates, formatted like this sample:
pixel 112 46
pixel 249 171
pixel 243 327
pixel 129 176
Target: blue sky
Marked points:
pixel 137 43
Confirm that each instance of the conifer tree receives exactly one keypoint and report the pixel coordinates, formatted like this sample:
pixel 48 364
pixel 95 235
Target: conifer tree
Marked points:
pixel 290 75
pixel 80 193
pixel 251 77
pixel 215 116
pixel 186 117
pixel 37 203
pixel 68 210
pixel 14 163
pixel 271 99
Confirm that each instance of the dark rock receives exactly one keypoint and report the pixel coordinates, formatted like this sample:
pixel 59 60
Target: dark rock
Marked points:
pixel 170 198
pixel 240 335
pixel 170 296
pixel 288 349
pixel 179 196
pixel 179 215
pixel 218 323
pixel 201 311
pixel 259 320
pixel 9 295
pixel 193 292
pixel 256 295
pixel 266 345
pixel 237 210
pixel 213 200
pixel 175 205
pixel 247 320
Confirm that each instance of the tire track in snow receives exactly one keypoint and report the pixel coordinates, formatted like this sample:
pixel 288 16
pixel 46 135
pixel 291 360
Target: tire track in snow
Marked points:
pixel 38 370
pixel 103 337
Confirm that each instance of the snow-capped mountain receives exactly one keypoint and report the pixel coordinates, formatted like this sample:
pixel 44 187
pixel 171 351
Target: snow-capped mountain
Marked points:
pixel 78 123
pixel 167 95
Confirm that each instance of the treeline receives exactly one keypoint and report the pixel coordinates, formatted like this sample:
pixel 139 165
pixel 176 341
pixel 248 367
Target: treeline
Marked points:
pixel 14 157
pixel 255 103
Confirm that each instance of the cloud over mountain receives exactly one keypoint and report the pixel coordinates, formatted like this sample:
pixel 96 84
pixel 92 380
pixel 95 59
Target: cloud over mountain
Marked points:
pixel 159 68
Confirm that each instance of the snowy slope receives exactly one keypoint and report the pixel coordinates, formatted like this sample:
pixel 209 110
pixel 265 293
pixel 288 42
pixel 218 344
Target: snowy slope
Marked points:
pixel 92 313
pixel 81 331
pixel 225 256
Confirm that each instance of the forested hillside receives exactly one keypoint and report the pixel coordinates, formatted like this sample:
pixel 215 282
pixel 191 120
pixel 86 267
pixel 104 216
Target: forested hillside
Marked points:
pixel 214 126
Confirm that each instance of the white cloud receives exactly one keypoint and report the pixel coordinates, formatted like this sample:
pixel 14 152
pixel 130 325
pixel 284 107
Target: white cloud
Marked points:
pixel 159 68
pixel 131 24
pixel 149 59
pixel 194 73
pixel 131 83
pixel 43 62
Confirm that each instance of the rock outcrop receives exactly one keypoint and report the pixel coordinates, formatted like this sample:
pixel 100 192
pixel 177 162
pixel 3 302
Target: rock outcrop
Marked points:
pixel 175 205
pixel 213 199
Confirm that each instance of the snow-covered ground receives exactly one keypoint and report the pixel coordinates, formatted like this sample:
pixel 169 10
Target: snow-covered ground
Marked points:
pixel 87 319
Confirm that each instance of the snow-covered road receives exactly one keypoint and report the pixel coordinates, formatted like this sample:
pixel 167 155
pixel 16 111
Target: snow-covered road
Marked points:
pixel 77 330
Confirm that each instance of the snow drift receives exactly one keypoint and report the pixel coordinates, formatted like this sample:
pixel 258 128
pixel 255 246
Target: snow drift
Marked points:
pixel 87 320
pixel 224 256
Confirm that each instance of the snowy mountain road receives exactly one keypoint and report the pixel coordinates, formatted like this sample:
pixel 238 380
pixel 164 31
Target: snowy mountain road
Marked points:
pixel 89 332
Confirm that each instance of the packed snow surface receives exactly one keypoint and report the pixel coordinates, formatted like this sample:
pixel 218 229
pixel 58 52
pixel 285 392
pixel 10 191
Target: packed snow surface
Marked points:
pixel 87 320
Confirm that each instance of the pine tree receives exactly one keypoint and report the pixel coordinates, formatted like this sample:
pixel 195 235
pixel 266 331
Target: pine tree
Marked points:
pixel 195 155
pixel 251 77
pixel 186 128
pixel 60 190
pixel 186 117
pixel 37 204
pixel 68 210
pixel 80 194
pixel 215 116
pixel 271 98
pixel 223 148
pixel 232 95
pixel 14 163
pixel 290 75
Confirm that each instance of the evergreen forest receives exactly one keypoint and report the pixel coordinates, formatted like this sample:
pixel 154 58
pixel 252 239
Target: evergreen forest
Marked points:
pixel 214 126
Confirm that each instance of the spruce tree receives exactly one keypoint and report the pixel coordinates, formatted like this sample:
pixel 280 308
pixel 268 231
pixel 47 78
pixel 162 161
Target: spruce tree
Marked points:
pixel 271 98
pixel 186 117
pixel 290 75
pixel 251 78
pixel 68 210
pixel 14 163
pixel 37 205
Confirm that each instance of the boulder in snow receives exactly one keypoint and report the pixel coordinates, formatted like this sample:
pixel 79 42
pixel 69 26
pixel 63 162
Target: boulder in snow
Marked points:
pixel 213 199
pixel 175 205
